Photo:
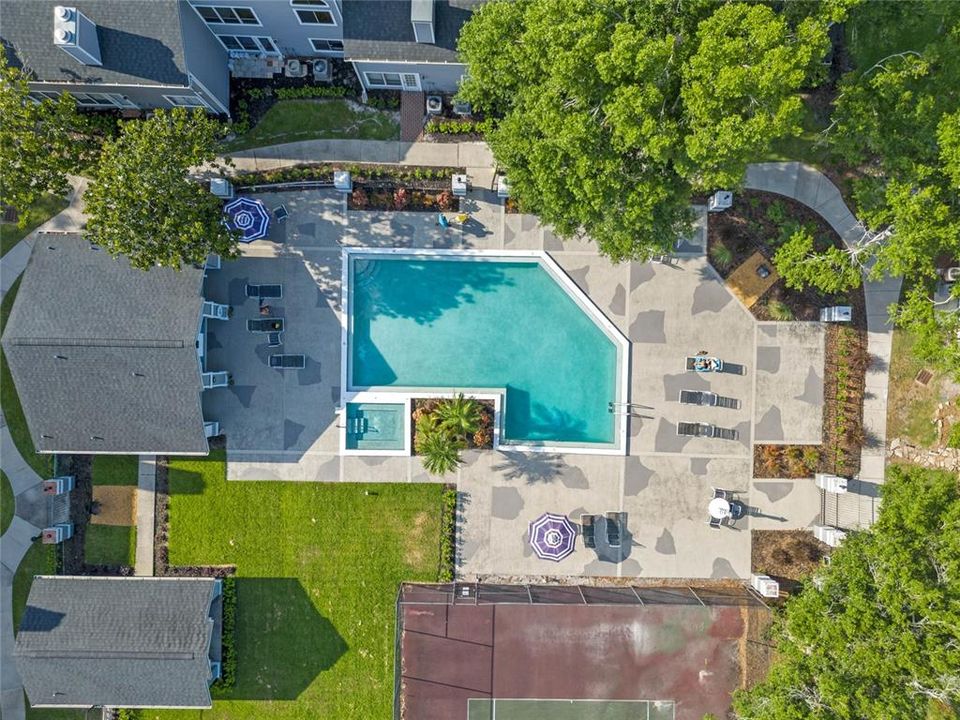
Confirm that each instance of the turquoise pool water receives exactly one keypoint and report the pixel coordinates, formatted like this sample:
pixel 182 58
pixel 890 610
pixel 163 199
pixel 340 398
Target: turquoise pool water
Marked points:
pixel 437 322
pixel 375 426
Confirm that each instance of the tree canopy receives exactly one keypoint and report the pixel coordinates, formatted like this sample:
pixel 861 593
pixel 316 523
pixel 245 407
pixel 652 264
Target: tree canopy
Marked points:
pixel 800 265
pixel 610 113
pixel 142 203
pixel 878 634
pixel 38 142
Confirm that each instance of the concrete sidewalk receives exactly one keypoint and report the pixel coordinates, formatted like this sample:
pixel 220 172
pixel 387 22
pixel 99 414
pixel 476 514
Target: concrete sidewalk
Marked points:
pixel 812 188
pixel 146 493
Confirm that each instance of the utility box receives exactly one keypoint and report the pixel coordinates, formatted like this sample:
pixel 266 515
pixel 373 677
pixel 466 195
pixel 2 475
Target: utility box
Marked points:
pixel 503 187
pixel 831 483
pixel 720 201
pixel 837 313
pixel 222 188
pixel 459 184
pixel 57 533
pixel 828 534
pixel 342 181
pixel 59 485
pixel 765 585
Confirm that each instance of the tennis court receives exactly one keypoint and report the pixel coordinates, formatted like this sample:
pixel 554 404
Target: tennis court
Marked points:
pixel 530 709
pixel 513 659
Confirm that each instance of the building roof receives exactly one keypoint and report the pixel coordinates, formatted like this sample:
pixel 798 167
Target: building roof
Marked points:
pixel 383 32
pixel 122 642
pixel 103 355
pixel 141 42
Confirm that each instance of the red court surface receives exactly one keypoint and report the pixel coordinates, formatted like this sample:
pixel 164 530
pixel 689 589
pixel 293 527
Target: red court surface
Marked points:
pixel 688 654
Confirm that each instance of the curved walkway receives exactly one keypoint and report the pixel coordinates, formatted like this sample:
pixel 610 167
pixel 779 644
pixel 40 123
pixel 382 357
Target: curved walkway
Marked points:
pixel 812 188
pixel 18 538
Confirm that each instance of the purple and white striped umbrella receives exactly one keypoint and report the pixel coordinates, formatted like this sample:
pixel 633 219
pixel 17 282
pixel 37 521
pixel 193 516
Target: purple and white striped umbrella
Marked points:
pixel 552 536
pixel 249 217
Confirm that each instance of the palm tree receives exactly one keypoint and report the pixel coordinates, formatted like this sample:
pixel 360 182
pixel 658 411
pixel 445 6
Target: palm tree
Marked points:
pixel 440 451
pixel 461 416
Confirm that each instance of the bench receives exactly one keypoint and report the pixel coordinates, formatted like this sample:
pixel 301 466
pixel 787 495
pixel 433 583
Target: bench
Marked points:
pixel 288 362
pixel 589 531
pixel 613 529
pixel 265 325
pixel 265 291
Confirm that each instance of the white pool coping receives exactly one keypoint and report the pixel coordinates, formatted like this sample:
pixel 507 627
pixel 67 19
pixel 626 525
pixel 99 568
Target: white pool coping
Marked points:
pixel 406 395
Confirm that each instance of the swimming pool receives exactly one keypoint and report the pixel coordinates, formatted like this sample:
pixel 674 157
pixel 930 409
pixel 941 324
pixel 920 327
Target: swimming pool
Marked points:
pixel 468 321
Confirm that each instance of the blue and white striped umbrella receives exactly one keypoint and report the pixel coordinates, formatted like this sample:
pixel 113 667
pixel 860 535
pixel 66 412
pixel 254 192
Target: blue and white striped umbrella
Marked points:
pixel 552 537
pixel 249 217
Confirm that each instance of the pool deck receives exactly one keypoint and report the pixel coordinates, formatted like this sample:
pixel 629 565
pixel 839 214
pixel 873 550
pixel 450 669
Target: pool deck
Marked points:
pixel 282 424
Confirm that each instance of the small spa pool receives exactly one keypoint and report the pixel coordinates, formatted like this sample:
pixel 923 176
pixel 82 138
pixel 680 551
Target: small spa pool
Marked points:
pixel 375 426
pixel 473 322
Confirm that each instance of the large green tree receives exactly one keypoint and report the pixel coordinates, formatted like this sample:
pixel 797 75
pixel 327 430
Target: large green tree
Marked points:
pixel 800 264
pixel 594 124
pixel 740 87
pixel 878 634
pixel 39 142
pixel 142 202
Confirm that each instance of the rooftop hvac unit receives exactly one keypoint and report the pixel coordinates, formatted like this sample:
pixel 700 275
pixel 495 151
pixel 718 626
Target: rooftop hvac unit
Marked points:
pixel 58 485
pixel 720 200
pixel 434 104
pixel 831 483
pixel 294 68
pixel 503 187
pixel 76 35
pixel 765 585
pixel 57 534
pixel 211 429
pixel 322 70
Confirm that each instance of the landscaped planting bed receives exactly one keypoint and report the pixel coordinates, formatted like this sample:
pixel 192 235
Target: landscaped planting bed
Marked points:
pixel 789 556
pixel 318 566
pixel 762 221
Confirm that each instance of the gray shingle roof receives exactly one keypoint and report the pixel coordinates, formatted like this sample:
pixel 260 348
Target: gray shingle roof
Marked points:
pixel 382 31
pixel 104 355
pixel 123 642
pixel 140 41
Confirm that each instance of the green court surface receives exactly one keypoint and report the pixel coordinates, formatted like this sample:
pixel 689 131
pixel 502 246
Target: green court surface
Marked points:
pixel 502 709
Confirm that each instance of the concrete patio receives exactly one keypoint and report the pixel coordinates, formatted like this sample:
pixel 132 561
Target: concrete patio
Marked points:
pixel 283 425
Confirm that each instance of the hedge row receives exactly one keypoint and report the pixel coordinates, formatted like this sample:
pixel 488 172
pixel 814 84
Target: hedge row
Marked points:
pixel 448 524
pixel 228 641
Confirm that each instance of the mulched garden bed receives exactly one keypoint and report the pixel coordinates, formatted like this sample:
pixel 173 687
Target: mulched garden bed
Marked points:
pixel 788 556
pixel 366 175
pixel 755 223
pixel 398 197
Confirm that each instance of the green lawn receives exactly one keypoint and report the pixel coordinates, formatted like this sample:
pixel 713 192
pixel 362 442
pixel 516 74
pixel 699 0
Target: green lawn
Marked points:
pixel 37 214
pixel 37 561
pixel 12 412
pixel 7 502
pixel 910 406
pixel 110 545
pixel 318 567
pixel 293 120
pixel 115 469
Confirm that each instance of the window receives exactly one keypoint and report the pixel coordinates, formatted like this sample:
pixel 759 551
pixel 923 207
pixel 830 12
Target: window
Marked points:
pixel 423 32
pixel 227 15
pixel 407 81
pixel 187 101
pixel 249 43
pixel 41 95
pixel 87 99
pixel 325 45
pixel 313 12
